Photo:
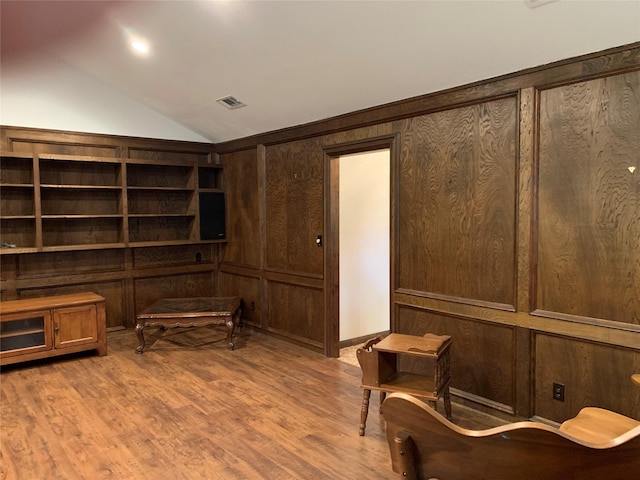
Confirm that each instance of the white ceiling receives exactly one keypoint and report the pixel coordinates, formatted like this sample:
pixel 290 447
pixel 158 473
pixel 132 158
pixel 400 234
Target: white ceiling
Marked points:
pixel 294 62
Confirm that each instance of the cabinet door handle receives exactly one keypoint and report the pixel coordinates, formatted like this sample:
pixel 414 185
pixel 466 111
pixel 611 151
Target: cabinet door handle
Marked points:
pixel 56 328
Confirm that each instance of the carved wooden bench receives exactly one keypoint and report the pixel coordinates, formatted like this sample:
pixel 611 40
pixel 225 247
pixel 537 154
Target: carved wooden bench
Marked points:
pixel 596 444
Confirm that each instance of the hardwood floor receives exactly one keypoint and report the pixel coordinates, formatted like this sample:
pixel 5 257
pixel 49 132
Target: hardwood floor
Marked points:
pixel 188 408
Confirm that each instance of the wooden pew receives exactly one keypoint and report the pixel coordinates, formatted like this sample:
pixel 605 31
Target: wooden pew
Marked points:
pixel 596 444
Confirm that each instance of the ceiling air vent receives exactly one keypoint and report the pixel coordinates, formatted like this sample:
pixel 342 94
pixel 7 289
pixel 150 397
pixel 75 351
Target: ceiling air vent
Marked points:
pixel 230 102
pixel 537 3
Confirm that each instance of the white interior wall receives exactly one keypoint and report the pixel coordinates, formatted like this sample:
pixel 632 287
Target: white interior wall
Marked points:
pixel 66 99
pixel 364 244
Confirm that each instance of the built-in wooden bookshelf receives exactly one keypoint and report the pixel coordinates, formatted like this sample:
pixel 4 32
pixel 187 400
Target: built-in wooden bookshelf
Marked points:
pixel 80 202
pixel 17 203
pixel 57 202
pixel 210 179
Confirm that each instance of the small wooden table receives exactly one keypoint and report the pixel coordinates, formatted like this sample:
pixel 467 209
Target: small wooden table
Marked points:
pixel 381 371
pixel 190 312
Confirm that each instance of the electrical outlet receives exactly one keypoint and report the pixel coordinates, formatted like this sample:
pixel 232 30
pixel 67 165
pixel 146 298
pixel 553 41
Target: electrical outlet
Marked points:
pixel 252 306
pixel 558 392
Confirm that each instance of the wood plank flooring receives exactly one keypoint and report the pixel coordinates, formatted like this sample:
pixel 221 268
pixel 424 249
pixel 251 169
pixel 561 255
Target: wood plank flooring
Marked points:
pixel 188 408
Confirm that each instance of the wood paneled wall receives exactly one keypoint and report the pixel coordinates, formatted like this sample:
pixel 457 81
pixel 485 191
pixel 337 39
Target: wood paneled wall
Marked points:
pixel 457 209
pixel 294 207
pixel 515 229
pixel 588 235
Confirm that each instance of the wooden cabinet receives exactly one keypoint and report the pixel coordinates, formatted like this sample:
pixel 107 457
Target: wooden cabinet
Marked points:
pixel 58 202
pixel 51 326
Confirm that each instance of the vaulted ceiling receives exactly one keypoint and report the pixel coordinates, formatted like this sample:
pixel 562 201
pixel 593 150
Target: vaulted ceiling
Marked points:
pixel 293 62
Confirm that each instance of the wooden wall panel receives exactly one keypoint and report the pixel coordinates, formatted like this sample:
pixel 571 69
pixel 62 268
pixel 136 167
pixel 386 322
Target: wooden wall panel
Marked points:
pixel 588 245
pixel 175 255
pixel 169 154
pixel 148 290
pixel 594 374
pixel 358 135
pixel 457 212
pixel 482 354
pixel 38 265
pixel 8 267
pixel 113 293
pixel 43 146
pixel 297 312
pixel 295 207
pixel 242 192
pixel 246 287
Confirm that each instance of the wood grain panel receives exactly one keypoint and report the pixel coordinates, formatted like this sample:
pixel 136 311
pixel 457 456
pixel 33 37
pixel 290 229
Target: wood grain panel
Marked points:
pixel 588 244
pixel 482 354
pixel 82 231
pixel 296 311
pixel 243 208
pixel 113 293
pixel 39 146
pixel 21 232
pixel 525 197
pixel 248 289
pixel 457 202
pixel 295 206
pixel 358 135
pixel 67 263
pixel 148 290
pixel 170 155
pixel 174 255
pixel 593 375
pixel 8 267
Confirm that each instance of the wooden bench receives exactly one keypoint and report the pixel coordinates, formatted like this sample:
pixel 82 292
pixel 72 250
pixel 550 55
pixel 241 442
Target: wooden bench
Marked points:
pixel 596 444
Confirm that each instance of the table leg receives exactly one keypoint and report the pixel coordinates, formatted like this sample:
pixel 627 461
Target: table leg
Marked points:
pixel 238 318
pixel 365 410
pixel 140 335
pixel 230 327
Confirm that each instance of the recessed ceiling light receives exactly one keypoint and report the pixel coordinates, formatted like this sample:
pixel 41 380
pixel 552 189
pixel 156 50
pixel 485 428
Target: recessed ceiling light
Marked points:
pixel 140 47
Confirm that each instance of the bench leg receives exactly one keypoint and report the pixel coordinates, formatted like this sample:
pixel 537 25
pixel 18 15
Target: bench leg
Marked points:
pixel 365 410
pixel 383 395
pixel 404 457
pixel 447 404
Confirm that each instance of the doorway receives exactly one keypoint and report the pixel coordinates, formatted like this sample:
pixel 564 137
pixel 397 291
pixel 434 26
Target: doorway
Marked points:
pixel 376 180
pixel 364 243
